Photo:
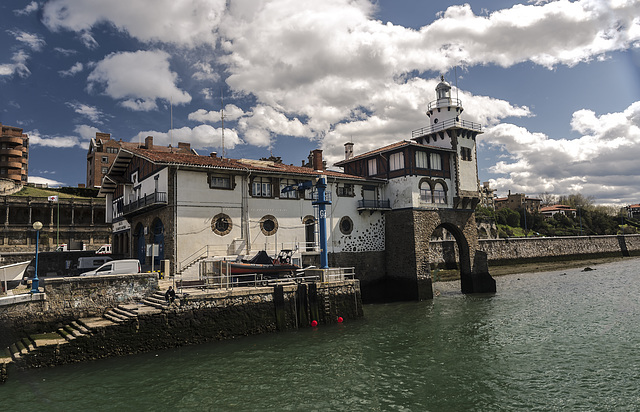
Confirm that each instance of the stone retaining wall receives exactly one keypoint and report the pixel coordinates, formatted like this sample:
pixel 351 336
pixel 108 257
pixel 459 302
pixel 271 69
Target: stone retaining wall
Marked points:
pixel 67 299
pixel 517 250
pixel 210 316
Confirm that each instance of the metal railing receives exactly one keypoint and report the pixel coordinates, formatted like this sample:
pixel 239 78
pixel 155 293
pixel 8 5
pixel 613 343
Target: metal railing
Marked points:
pixel 374 204
pixel 444 102
pixel 155 198
pixel 217 275
pixel 466 124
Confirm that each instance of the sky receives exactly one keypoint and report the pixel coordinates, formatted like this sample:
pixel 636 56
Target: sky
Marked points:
pixel 555 84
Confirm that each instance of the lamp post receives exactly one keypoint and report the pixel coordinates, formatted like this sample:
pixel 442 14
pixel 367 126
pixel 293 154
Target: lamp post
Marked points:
pixel 34 284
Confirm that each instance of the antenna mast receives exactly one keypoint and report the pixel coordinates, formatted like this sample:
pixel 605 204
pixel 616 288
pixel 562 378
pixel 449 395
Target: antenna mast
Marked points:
pixel 455 71
pixel 171 127
pixel 222 119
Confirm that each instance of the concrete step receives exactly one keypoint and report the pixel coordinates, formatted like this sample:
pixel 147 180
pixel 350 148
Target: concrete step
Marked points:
pixel 73 331
pixel 65 334
pixel 125 312
pixel 28 344
pixel 94 323
pixel 80 327
pixel 114 317
pixel 14 351
pixel 155 303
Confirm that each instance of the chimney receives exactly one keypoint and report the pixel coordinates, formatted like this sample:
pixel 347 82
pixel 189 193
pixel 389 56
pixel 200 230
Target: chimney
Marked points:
pixel 103 136
pixel 184 146
pixel 148 142
pixel 348 150
pixel 213 154
pixel 317 159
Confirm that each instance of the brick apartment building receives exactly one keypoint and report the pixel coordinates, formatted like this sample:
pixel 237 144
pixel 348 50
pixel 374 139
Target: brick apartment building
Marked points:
pixel 14 154
pixel 103 151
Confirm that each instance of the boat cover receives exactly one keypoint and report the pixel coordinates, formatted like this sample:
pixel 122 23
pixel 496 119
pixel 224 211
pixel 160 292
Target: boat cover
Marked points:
pixel 261 259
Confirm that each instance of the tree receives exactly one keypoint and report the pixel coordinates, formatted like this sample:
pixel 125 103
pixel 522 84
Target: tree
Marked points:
pixel 508 217
pixel 577 201
pixel 548 199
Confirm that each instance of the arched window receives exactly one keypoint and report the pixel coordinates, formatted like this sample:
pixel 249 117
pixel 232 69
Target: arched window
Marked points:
pixel 439 194
pixel 425 192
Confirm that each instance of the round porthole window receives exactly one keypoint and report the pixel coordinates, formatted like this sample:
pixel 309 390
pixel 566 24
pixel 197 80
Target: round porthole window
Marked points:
pixel 221 224
pixel 269 225
pixel 346 225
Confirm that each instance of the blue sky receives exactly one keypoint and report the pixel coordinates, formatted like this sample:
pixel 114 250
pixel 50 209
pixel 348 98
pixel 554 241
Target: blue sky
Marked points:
pixel 556 84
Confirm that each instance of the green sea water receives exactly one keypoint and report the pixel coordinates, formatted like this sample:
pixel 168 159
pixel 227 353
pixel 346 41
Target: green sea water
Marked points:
pixel 556 341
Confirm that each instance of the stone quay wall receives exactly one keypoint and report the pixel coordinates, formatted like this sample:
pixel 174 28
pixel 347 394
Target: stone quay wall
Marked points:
pixel 520 250
pixel 200 316
pixel 67 299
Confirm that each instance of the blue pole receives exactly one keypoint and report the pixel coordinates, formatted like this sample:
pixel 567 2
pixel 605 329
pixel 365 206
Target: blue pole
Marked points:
pixel 34 283
pixel 322 222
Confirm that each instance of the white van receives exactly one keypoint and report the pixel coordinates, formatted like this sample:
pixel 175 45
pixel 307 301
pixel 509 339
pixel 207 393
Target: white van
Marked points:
pixel 116 267
pixel 104 250
pixel 91 262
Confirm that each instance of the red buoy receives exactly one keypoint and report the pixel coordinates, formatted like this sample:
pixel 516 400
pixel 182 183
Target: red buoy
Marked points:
pixel 314 323
pixel 340 319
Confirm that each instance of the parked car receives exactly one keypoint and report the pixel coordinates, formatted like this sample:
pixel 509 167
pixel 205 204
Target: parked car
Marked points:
pixel 116 267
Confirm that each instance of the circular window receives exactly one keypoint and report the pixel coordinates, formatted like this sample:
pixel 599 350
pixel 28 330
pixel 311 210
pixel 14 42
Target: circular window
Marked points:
pixel 435 121
pixel 346 225
pixel 269 225
pixel 221 224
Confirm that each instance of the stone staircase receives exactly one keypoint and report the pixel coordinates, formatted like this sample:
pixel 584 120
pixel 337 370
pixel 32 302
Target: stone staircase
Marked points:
pixel 83 327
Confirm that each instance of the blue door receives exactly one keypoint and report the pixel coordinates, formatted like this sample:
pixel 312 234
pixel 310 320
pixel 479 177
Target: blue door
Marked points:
pixel 158 239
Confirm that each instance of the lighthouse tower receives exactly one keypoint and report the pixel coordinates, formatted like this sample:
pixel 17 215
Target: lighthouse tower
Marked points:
pixel 449 131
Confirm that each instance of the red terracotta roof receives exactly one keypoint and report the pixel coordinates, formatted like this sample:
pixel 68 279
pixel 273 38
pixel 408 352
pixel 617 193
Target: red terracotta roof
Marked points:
pixel 388 148
pixel 162 157
pixel 557 207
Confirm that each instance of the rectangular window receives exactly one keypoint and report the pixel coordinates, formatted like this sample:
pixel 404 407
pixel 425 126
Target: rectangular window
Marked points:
pixel 465 153
pixel 293 194
pixel 105 159
pixel 372 166
pixel 105 170
pixel 396 161
pixel 346 190
pixel 261 187
pixel 219 181
pixel 112 150
pixel 422 161
pixel 436 161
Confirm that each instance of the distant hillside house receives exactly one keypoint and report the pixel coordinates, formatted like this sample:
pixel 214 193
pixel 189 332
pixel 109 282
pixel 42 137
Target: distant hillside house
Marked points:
pixel 633 211
pixel 550 211
pixel 518 201
pixel 14 154
pixel 103 150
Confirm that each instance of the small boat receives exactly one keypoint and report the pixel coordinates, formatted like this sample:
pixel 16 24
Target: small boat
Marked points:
pixel 263 264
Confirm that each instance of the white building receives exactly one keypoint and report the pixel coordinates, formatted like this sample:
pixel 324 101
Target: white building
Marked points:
pixel 201 206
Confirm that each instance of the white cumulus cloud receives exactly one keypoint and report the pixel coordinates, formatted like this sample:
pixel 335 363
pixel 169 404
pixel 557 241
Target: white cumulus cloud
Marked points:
pixel 138 79
pixel 599 162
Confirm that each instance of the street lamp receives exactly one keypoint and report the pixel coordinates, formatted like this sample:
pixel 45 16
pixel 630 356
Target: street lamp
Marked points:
pixel 34 284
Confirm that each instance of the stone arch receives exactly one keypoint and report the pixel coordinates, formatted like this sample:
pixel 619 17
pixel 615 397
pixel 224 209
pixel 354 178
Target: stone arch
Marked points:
pixel 408 237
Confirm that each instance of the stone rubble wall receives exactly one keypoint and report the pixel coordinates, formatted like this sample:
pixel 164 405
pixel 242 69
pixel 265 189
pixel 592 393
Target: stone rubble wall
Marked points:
pixel 513 250
pixel 70 298
pixel 199 318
